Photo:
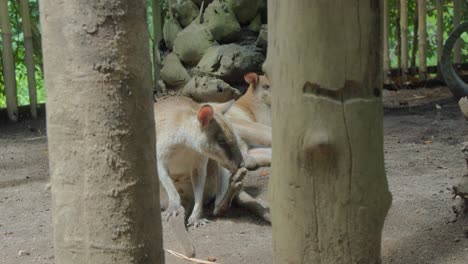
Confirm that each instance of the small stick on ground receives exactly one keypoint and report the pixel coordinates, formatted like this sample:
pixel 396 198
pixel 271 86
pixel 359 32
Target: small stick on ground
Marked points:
pixel 181 256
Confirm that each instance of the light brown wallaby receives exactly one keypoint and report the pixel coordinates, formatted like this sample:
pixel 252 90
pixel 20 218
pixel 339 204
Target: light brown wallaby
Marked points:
pixel 199 159
pixel 251 118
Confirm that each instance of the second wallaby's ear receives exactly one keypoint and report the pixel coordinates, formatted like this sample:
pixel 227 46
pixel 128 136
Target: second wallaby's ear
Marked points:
pixel 251 78
pixel 205 115
pixel 226 106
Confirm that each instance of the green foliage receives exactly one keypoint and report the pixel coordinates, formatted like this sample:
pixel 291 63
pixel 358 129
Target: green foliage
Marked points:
pixel 431 20
pixel 19 53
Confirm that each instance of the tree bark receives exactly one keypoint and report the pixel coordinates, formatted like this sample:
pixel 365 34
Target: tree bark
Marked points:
pixel 404 39
pixel 456 23
pixel 37 45
pixel 157 33
pixel 8 63
pixel 398 37
pixel 440 28
pixel 422 44
pixel 101 135
pixel 414 48
pixel 386 51
pixel 29 57
pixel 329 194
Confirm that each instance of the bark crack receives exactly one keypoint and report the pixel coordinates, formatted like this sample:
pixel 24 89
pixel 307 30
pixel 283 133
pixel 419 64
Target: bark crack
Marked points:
pixel 349 182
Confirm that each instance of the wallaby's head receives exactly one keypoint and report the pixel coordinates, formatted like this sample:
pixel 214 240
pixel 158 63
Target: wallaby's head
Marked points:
pixel 221 143
pixel 260 87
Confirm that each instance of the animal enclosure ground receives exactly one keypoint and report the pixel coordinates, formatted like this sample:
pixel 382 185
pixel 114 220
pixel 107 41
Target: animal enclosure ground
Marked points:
pixel 422 156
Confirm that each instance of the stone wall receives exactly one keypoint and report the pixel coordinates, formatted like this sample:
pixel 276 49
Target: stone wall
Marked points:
pixel 210 45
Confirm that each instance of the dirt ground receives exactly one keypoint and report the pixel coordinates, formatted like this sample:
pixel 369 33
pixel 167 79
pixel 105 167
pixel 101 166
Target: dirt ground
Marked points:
pixel 423 132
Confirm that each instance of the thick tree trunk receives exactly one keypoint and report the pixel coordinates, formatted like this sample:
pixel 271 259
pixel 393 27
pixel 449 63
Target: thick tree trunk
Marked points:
pixel 157 35
pixel 29 57
pixel 329 194
pixel 386 51
pixel 456 23
pixel 440 28
pixel 101 135
pixel 422 44
pixel 8 63
pixel 404 39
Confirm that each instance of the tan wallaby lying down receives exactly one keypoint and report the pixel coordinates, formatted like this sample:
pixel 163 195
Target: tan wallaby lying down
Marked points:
pixel 251 118
pixel 198 156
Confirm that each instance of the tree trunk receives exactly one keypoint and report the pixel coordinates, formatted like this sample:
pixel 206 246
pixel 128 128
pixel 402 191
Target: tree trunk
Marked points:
pixel 440 28
pixel 404 39
pixel 157 33
pixel 422 44
pixel 329 194
pixel 101 135
pixel 456 23
pixel 29 57
pixel 414 48
pixel 386 51
pixel 8 63
pixel 37 45
pixel 398 34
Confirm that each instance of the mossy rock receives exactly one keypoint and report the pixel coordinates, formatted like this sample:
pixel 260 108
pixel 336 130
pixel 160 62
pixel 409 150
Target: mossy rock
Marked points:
pixel 222 22
pixel 245 10
pixel 209 89
pixel 173 72
pixel 170 31
pixel 187 11
pixel 192 43
pixel 230 62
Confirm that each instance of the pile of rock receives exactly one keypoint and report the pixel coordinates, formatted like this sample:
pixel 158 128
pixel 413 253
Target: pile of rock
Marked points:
pixel 210 45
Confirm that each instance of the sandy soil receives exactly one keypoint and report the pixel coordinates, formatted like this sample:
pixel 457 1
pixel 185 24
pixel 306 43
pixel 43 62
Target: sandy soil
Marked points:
pixel 423 132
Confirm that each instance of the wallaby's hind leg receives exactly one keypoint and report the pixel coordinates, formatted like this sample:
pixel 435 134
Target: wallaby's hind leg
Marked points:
pixel 228 186
pixel 262 156
pixel 243 199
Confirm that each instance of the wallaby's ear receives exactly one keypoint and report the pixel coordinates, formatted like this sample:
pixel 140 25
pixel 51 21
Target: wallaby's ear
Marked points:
pixel 205 115
pixel 226 106
pixel 251 78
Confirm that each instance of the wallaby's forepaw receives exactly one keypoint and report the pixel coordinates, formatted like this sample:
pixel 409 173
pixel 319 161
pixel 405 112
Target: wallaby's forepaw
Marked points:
pixel 235 186
pixel 197 222
pixel 235 180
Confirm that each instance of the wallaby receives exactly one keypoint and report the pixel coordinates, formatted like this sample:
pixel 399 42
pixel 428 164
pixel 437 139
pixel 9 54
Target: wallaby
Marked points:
pixel 199 159
pixel 251 118
pixel 255 104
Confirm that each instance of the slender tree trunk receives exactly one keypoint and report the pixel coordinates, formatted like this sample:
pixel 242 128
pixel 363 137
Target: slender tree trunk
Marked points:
pixel 404 39
pixel 414 48
pixel 329 194
pixel 101 135
pixel 440 28
pixel 29 57
pixel 37 45
pixel 398 37
pixel 422 44
pixel 386 51
pixel 8 63
pixel 456 23
pixel 157 33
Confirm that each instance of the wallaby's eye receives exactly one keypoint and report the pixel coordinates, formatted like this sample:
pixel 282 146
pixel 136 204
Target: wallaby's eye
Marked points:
pixel 266 86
